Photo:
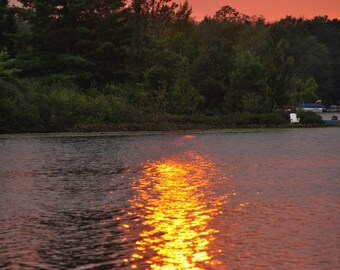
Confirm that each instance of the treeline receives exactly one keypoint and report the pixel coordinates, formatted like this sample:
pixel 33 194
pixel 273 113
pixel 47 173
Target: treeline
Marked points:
pixel 106 65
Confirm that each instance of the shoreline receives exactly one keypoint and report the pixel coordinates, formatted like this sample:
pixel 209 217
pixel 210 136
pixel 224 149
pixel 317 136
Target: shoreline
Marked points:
pixel 174 123
pixel 71 134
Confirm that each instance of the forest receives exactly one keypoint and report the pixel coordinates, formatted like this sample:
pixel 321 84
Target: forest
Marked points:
pixel 107 65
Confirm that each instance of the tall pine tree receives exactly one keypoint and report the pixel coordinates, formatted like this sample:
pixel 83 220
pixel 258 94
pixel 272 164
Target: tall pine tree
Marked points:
pixel 80 40
pixel 7 27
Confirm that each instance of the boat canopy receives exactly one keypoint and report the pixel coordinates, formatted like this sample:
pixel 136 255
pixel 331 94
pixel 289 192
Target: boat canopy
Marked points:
pixel 312 105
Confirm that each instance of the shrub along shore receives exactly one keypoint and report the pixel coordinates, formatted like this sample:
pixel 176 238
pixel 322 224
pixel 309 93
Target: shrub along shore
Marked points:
pixel 31 107
pixel 203 122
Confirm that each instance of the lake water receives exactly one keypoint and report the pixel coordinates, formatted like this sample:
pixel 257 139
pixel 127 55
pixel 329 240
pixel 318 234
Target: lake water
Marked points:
pixel 219 200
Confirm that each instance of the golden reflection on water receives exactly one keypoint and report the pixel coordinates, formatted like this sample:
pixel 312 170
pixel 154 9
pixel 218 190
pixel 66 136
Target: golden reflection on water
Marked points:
pixel 176 209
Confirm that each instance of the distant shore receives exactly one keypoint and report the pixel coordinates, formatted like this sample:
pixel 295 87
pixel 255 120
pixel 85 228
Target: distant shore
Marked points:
pixel 177 123
pixel 153 133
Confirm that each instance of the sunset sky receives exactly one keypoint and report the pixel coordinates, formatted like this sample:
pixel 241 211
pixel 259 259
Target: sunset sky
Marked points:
pixel 271 9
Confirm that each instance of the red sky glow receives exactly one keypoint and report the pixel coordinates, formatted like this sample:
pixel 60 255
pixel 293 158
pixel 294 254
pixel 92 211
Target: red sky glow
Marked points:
pixel 272 10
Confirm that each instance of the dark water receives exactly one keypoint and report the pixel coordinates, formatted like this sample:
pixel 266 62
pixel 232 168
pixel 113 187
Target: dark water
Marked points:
pixel 250 200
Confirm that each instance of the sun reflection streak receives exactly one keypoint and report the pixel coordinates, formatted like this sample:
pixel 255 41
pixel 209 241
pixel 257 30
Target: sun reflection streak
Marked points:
pixel 173 202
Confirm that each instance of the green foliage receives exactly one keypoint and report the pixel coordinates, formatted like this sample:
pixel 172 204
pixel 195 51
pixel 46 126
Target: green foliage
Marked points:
pixel 248 119
pixel 18 112
pixel 156 102
pixel 184 97
pixel 8 27
pixel 213 60
pixel 303 91
pixel 311 52
pixel 33 106
pixel 248 79
pixel 107 65
pixel 309 118
pixel 7 65
pixel 252 102
pixel 80 39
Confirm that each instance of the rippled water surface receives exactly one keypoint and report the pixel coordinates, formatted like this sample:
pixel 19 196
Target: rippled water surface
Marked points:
pixel 236 200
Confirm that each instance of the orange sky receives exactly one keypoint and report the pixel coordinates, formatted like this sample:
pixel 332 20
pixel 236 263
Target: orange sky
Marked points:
pixel 270 9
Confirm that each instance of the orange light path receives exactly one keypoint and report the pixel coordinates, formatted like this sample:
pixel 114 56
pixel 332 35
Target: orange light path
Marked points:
pixel 172 203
